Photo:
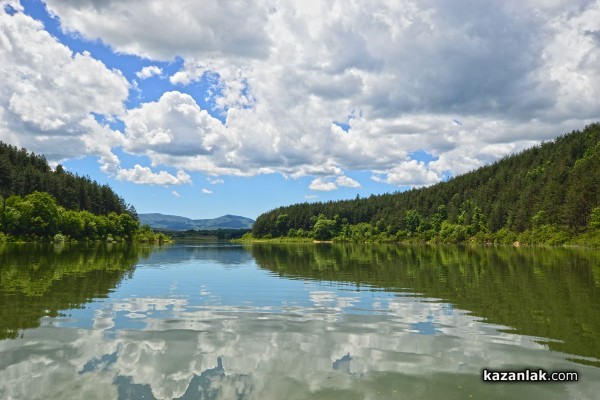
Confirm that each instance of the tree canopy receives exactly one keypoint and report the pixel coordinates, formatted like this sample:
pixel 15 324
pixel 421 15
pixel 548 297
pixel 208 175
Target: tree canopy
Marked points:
pixel 549 191
pixel 22 173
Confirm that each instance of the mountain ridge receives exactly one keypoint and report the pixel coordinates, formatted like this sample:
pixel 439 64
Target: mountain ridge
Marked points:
pixel 179 223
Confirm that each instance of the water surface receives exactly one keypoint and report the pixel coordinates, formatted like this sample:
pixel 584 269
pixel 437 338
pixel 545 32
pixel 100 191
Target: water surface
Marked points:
pixel 222 321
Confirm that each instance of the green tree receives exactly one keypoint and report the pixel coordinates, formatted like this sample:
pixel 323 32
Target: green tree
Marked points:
pixel 324 229
pixel 412 221
pixel 595 219
pixel 128 225
pixel 43 218
pixel 281 225
pixel 17 215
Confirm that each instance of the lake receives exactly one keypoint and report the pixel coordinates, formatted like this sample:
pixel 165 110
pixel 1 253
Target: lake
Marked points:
pixel 295 321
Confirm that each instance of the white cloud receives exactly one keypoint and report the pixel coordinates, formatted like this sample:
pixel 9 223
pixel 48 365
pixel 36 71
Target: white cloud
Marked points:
pixel 215 181
pixel 186 28
pixel 207 191
pixel 172 126
pixel 310 196
pixel 327 184
pixel 149 71
pixel 175 194
pixel 398 73
pixel 322 185
pixel 48 93
pixel 346 182
pixel 410 173
pixel 144 175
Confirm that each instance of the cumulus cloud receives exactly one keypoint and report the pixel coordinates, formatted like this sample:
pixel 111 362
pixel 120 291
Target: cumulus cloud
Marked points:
pixel 327 184
pixel 207 191
pixel 144 175
pixel 322 185
pixel 175 194
pixel 174 126
pixel 49 94
pixel 410 173
pixel 346 182
pixel 187 28
pixel 397 74
pixel 215 181
pixel 149 71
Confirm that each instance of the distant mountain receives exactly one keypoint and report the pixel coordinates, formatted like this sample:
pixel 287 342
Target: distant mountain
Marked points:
pixel 176 223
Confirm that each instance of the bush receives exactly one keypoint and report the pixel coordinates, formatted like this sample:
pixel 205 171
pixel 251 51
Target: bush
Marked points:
pixel 59 238
pixel 504 236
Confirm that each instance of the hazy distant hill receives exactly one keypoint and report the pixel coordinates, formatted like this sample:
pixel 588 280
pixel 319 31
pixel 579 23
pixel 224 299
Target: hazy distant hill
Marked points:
pixel 176 223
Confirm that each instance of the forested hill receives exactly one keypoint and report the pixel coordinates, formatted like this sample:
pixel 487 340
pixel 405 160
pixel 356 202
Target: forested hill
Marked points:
pixel 22 173
pixel 550 190
pixel 177 223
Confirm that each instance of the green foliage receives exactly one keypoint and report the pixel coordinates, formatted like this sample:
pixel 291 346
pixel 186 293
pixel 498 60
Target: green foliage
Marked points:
pixel 59 238
pixel 504 236
pixel 324 229
pixel 146 235
pixel 23 173
pixel 453 233
pixel 43 214
pixel 281 225
pixel 37 216
pixel 38 203
pixel 551 190
pixel 361 232
pixel 192 235
pixel 545 234
pixel 412 221
pixel 595 219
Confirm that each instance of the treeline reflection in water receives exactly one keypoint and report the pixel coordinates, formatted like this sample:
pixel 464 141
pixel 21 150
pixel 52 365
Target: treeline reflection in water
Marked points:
pixel 216 321
pixel 551 293
pixel 39 280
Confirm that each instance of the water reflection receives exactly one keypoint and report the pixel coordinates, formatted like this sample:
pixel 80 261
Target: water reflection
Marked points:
pixel 41 280
pixel 310 323
pixel 267 355
pixel 552 293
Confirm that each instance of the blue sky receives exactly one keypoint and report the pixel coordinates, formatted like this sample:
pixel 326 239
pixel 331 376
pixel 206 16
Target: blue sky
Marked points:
pixel 202 109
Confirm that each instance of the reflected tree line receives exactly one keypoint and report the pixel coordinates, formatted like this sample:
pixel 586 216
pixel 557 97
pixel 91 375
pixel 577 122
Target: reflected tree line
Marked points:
pixel 552 293
pixel 38 280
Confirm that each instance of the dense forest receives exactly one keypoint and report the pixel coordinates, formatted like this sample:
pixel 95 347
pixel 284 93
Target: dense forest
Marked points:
pixel 22 173
pixel 547 194
pixel 41 203
pixel 193 235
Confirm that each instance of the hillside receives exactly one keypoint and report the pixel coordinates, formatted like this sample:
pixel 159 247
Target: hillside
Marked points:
pixel 547 194
pixel 22 173
pixel 41 204
pixel 176 223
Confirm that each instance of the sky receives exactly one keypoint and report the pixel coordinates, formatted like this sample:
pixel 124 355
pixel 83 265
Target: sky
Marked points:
pixel 204 108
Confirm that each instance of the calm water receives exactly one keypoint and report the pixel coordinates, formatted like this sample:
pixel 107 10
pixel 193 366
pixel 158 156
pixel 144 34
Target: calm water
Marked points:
pixel 221 321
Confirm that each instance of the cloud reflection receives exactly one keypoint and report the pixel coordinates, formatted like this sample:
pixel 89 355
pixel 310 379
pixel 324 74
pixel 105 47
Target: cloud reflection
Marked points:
pixel 229 352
